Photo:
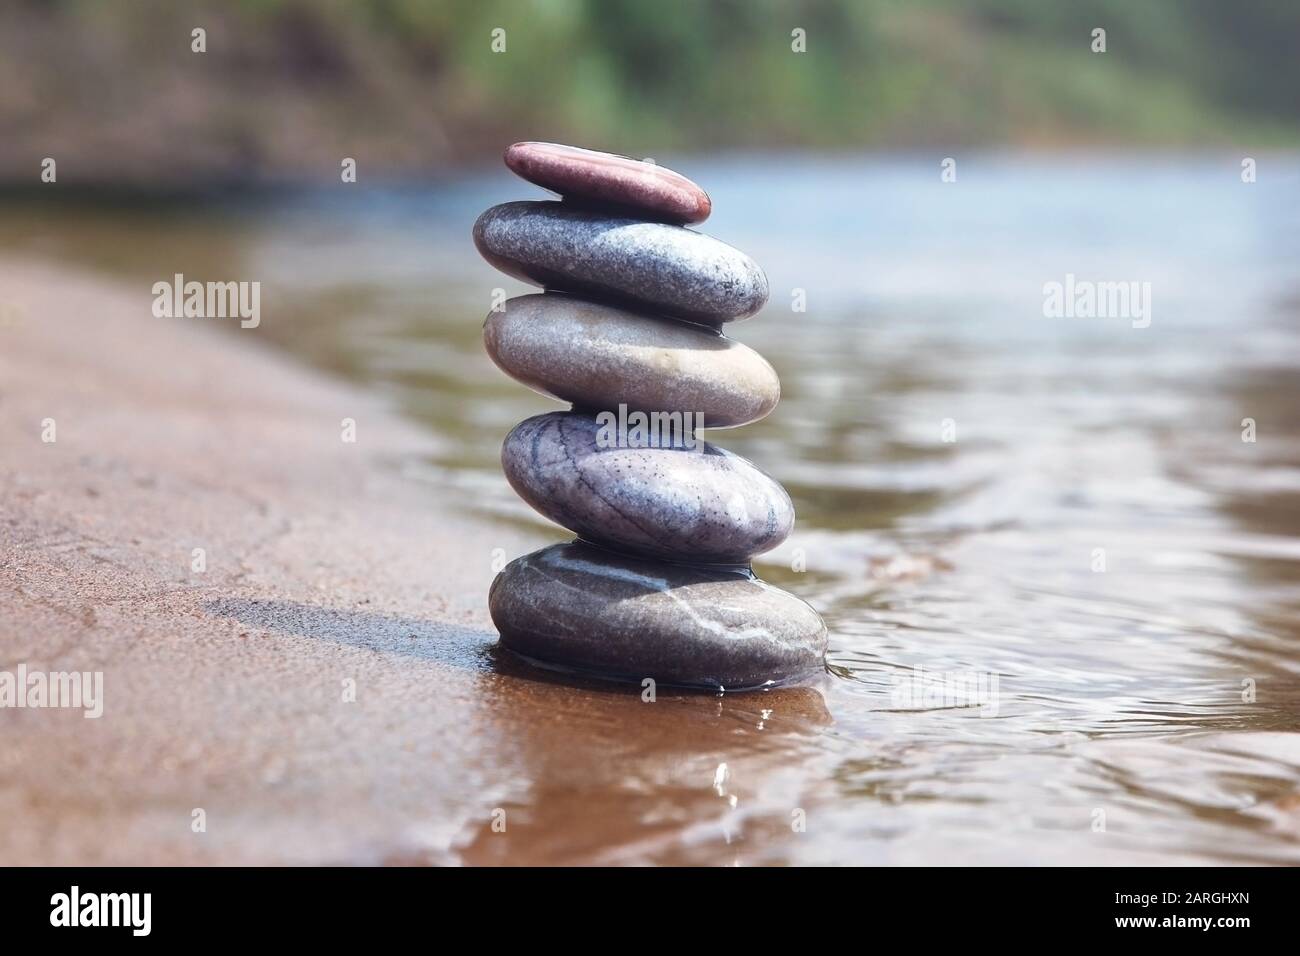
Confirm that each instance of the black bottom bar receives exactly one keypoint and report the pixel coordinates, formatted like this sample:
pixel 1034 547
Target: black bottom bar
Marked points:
pixel 334 905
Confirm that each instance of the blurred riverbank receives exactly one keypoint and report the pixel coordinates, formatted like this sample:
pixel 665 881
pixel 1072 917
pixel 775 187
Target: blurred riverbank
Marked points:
pixel 284 90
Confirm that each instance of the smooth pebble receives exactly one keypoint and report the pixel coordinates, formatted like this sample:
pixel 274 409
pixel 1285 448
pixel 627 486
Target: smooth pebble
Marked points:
pixel 650 190
pixel 600 356
pixel 700 504
pixel 581 607
pixel 651 265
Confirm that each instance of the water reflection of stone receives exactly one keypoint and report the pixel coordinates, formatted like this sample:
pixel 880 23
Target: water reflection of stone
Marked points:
pixel 611 778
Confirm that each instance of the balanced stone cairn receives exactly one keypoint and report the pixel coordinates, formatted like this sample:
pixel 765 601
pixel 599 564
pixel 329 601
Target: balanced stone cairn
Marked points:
pixel 628 329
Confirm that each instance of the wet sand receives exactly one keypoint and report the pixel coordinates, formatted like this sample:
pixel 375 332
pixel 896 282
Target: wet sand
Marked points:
pixel 224 689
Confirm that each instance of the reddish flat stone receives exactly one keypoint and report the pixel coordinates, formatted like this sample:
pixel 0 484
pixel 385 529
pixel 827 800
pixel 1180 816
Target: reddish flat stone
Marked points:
pixel 604 177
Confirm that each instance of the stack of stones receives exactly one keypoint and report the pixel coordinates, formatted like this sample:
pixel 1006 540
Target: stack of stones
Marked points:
pixel 659 583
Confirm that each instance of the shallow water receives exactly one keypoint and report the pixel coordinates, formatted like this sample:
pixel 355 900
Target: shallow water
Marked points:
pixel 1067 636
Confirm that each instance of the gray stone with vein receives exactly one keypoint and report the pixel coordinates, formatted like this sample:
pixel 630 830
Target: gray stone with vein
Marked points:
pixel 702 505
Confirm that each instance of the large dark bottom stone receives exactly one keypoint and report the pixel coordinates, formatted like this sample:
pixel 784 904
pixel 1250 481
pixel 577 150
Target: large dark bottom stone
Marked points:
pixel 582 607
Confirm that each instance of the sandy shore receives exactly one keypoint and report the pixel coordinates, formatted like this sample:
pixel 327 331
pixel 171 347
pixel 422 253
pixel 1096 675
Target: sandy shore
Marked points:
pixel 225 690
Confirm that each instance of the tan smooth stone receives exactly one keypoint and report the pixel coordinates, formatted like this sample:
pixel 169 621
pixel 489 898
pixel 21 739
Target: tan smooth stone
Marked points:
pixel 598 356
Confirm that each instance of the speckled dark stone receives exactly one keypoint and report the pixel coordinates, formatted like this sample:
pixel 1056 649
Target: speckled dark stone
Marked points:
pixel 654 192
pixel 598 356
pixel 651 265
pixel 581 607
pixel 705 505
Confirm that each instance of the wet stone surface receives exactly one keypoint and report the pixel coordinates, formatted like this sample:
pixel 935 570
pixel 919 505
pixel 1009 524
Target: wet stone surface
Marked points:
pixel 582 607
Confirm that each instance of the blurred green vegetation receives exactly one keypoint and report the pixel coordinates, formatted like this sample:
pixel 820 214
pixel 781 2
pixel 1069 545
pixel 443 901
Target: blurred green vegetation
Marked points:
pixel 886 73
pixel 892 74
pixel 408 86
